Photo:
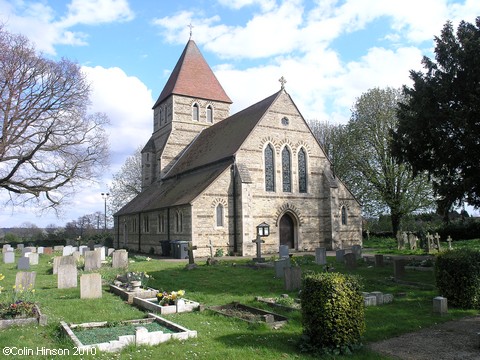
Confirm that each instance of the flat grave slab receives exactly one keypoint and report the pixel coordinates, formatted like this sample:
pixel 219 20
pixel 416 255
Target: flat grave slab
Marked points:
pixel 151 304
pixel 128 296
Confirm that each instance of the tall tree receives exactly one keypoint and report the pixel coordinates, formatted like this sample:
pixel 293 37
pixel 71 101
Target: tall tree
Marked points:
pixel 127 182
pixel 439 125
pixel 373 175
pixel 48 141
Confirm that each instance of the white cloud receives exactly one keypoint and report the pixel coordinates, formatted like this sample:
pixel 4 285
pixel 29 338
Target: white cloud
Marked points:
pixel 265 5
pixel 94 12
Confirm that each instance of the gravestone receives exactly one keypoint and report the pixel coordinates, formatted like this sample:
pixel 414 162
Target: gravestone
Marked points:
pixel 440 305
pixel 293 278
pixel 91 244
pixel 26 251
pixel 62 260
pixel 48 250
pixel 67 250
pixel 258 241
pixel 31 248
pixel 23 263
pixel 280 266
pixel 412 240
pixel 321 256
pixel 67 276
pixel 33 258
pixel 110 251
pixel 93 260
pixel 6 247
pixel 449 241
pixel 76 255
pixel 437 241
pixel 40 249
pixel 379 296
pixel 82 249
pixel 9 257
pixel 120 259
pixel 25 280
pixel 210 245
pixel 283 251
pixel 379 260
pixel 20 246
pixel 398 268
pixel 190 248
pixel 58 248
pixel 350 261
pixel 357 250
pixel 339 254
pixel 91 286
pixel 101 251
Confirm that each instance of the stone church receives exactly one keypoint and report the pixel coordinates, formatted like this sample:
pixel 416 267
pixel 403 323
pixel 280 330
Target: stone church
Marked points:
pixel 210 178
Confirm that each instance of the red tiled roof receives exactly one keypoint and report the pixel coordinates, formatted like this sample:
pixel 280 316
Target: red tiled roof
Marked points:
pixel 193 77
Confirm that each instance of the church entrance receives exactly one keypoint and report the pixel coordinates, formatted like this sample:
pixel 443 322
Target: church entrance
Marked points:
pixel 287 231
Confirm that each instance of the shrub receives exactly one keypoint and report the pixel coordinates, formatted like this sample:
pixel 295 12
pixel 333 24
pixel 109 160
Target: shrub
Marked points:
pixel 332 312
pixel 457 275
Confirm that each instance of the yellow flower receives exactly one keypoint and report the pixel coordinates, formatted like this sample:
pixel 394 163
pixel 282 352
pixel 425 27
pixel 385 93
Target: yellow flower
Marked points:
pixel 2 277
pixel 181 292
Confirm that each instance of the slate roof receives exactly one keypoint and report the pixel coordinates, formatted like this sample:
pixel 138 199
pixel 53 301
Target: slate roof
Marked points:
pixel 193 77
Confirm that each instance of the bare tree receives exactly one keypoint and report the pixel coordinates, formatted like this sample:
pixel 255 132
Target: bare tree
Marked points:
pixel 48 141
pixel 127 182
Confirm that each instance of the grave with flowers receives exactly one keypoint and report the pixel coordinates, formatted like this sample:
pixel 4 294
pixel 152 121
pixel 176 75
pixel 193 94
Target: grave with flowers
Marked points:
pixel 167 303
pixel 17 305
pixel 133 284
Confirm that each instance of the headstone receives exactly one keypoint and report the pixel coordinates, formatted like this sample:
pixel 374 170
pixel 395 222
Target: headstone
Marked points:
pixel 25 280
pixel 110 251
pixel 379 260
pixel 101 251
pixel 321 256
pixel 350 261
pixel 370 300
pixel 5 247
pixel 90 286
pixel 67 250
pixel 258 241
pixel 9 257
pixel 92 260
pixel 48 250
pixel 398 268
pixel 437 241
pixel 76 255
pixel 26 250
pixel 58 248
pixel 339 254
pixel 82 249
pixel 20 246
pixel 190 248
pixel 91 244
pixel 120 259
pixel 399 240
pixel 40 249
pixel 62 260
pixel 33 258
pixel 449 241
pixel 23 263
pixel 31 248
pixel 357 250
pixel 440 305
pixel 379 296
pixel 293 278
pixel 67 276
pixel 429 242
pixel 283 251
pixel 280 266
pixel 412 240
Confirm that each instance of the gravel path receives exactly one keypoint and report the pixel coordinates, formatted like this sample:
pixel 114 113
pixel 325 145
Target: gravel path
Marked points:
pixel 453 340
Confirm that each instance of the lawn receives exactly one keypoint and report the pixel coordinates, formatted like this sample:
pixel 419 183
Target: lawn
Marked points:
pixel 219 337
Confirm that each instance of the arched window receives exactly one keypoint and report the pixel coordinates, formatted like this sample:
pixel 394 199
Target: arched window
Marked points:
pixel 146 224
pixel 179 222
pixel 161 224
pixel 344 215
pixel 219 215
pixel 195 112
pixel 269 168
pixel 160 116
pixel 302 171
pixel 210 114
pixel 286 170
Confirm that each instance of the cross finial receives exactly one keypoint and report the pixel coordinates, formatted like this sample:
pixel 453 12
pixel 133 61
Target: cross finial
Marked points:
pixel 191 27
pixel 282 82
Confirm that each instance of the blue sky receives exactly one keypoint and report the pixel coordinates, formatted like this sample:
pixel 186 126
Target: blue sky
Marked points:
pixel 330 52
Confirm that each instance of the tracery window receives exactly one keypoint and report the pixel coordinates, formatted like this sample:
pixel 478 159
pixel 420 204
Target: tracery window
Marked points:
pixel 344 215
pixel 286 170
pixel 219 215
pixel 146 224
pixel 179 222
pixel 269 168
pixel 302 171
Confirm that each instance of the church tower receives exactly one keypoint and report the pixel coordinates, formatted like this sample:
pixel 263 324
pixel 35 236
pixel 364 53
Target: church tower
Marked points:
pixel 191 101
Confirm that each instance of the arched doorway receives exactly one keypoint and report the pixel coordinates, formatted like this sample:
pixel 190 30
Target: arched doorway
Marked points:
pixel 287 231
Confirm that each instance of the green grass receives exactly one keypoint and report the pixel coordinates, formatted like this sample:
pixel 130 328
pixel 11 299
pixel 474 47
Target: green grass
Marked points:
pixel 221 337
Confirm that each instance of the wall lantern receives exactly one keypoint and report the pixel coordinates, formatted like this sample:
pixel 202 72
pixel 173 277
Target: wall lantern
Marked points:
pixel 263 229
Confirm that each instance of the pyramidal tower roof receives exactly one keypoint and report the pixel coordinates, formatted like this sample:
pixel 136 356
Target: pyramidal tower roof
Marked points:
pixel 193 77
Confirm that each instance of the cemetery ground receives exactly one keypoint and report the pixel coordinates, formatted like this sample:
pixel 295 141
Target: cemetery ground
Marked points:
pixel 220 337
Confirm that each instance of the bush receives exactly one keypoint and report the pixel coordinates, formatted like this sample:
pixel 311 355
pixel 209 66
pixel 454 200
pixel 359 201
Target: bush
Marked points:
pixel 460 230
pixel 332 312
pixel 457 275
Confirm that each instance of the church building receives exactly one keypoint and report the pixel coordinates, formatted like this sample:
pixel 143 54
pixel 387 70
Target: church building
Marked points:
pixel 211 178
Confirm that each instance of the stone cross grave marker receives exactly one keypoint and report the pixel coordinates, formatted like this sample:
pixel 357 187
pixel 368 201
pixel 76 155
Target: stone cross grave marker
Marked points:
pixel 210 245
pixel 90 286
pixel 429 242
pixel 9 257
pixel 449 241
pixel 190 248
pixel 67 276
pixel 259 243
pixel 437 241
pixel 321 256
pixel 25 280
pixel 23 263
pixel 120 259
